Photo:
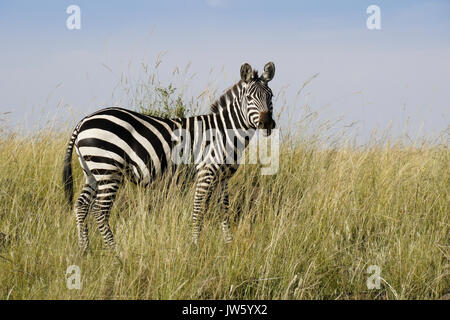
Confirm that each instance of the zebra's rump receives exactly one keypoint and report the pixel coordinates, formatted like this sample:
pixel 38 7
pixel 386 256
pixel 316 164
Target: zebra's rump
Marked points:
pixel 114 141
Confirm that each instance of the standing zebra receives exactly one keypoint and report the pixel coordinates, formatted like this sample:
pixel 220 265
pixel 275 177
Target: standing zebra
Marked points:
pixel 115 142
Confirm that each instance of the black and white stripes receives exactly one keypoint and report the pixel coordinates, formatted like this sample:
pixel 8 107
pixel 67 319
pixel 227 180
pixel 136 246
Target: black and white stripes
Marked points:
pixel 114 143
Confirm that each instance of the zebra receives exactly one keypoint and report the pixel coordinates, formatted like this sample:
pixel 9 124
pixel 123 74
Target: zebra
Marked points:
pixel 114 143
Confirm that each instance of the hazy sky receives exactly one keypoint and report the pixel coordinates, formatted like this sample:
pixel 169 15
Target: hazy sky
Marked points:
pixel 397 74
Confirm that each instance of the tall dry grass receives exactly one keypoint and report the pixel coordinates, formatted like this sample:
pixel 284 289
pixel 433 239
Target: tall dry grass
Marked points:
pixel 309 232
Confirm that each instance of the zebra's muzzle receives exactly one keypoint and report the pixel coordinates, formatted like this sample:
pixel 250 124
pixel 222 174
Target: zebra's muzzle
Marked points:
pixel 266 122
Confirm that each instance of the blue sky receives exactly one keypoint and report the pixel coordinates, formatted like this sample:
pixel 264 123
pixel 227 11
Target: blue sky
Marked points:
pixel 394 75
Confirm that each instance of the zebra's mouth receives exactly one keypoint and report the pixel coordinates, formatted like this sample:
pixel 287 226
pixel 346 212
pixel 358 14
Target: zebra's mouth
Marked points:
pixel 267 132
pixel 266 126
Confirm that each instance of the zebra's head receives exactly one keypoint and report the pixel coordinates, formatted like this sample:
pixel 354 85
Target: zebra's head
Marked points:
pixel 257 96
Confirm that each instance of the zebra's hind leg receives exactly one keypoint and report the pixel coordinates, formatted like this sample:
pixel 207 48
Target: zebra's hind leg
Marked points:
pixel 81 211
pixel 104 201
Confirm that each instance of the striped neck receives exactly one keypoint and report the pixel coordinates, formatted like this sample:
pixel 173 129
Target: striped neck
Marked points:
pixel 231 101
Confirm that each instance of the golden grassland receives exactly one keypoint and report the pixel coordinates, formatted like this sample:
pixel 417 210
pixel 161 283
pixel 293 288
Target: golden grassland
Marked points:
pixel 309 232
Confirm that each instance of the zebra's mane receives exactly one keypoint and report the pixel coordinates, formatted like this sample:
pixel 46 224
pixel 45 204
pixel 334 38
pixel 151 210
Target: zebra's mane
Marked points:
pixel 220 103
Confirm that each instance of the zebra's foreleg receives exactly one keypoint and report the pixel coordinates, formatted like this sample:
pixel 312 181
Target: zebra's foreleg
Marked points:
pixel 203 190
pixel 225 207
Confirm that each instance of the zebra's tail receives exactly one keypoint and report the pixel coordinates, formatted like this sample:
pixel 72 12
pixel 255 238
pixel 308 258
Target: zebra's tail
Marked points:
pixel 67 170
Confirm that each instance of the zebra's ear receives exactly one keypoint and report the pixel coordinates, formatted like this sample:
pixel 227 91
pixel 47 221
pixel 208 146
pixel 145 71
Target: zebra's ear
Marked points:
pixel 269 71
pixel 246 72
